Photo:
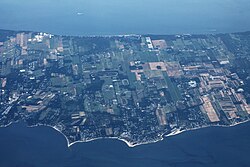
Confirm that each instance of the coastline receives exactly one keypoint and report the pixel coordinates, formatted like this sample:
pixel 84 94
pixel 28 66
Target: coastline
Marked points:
pixel 106 35
pixel 131 145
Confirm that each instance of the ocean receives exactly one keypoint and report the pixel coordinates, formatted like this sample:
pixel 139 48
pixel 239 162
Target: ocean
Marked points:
pixel 113 17
pixel 45 147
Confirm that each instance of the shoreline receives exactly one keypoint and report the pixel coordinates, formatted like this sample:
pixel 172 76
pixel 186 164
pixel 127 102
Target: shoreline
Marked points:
pixel 206 32
pixel 131 145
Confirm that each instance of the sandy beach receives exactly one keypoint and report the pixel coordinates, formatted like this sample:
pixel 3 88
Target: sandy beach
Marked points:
pixel 131 145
